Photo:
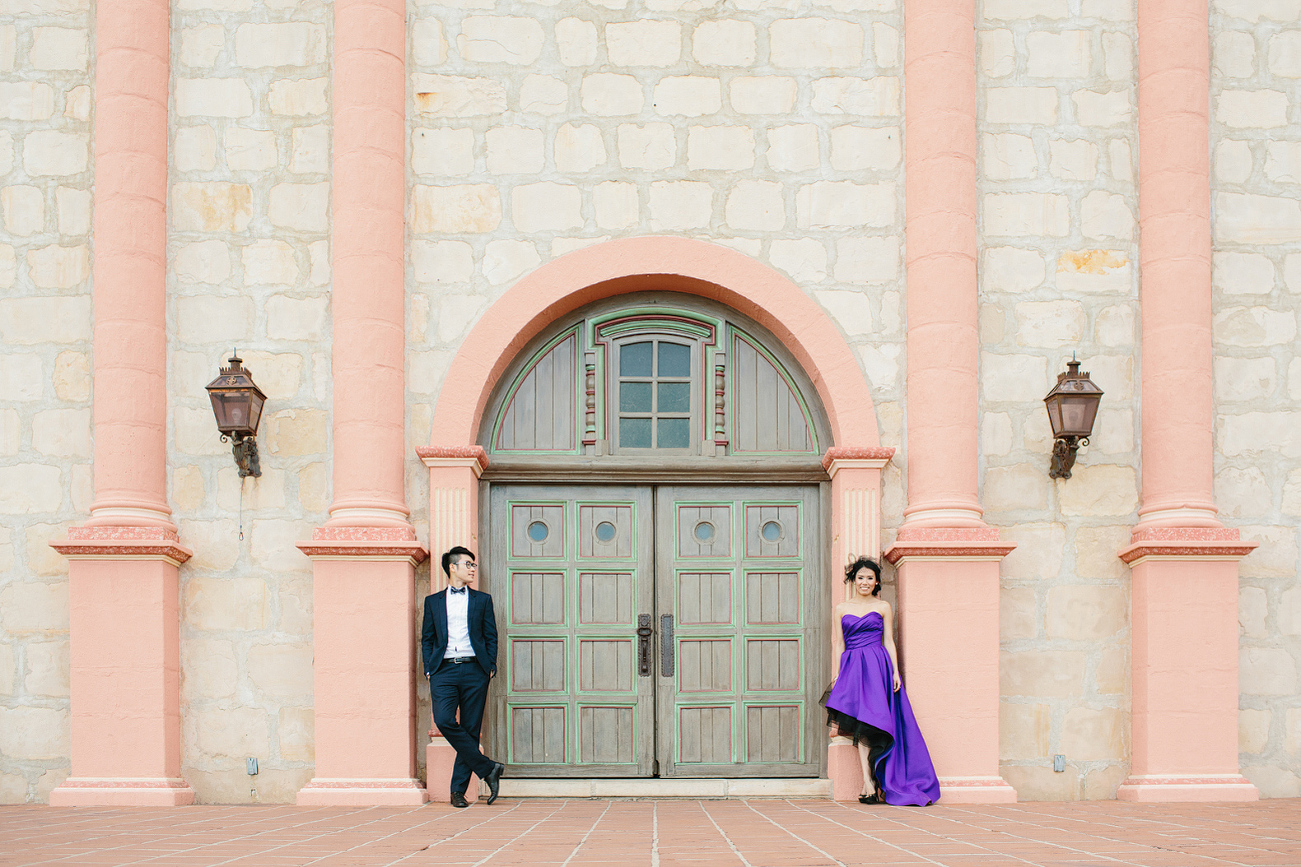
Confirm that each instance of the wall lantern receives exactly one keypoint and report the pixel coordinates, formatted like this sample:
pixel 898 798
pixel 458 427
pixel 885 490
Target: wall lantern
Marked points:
pixel 237 404
pixel 1072 406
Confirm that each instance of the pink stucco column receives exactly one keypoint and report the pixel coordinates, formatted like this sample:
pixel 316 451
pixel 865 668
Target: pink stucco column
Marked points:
pixel 364 558
pixel 1184 562
pixel 947 557
pixel 122 570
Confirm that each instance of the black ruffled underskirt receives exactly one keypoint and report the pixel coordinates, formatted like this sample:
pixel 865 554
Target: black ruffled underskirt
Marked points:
pixel 878 742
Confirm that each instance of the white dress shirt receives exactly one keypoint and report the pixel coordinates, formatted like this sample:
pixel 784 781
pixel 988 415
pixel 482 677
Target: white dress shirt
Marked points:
pixel 458 625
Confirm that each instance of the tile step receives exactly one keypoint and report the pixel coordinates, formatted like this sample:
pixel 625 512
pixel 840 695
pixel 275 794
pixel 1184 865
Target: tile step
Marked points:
pixel 750 787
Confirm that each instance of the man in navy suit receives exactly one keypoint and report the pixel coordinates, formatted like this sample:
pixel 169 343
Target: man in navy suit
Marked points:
pixel 459 643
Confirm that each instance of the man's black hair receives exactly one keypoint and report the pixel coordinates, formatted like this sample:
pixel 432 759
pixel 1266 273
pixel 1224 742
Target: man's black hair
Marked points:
pixel 457 552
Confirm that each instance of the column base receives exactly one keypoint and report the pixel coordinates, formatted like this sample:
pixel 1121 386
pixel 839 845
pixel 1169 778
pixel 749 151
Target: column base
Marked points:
pixel 439 758
pixel 322 792
pixel 844 770
pixel 1153 788
pixel 122 792
pixel 976 790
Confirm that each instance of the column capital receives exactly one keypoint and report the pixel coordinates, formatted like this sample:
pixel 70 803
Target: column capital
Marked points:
pixel 948 543
pixel 123 543
pixel 473 457
pixel 839 458
pixel 1185 543
pixel 365 543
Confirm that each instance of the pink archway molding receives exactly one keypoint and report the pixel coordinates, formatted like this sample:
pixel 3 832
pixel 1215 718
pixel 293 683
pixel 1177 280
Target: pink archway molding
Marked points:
pixel 632 264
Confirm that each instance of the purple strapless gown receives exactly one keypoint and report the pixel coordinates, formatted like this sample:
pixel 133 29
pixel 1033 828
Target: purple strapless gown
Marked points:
pixel 864 707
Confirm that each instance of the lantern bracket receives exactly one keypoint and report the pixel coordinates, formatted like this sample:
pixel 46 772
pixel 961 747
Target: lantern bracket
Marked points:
pixel 245 451
pixel 1064 449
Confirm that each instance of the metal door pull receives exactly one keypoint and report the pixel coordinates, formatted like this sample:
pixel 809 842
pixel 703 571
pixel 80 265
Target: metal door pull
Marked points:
pixel 666 645
pixel 644 632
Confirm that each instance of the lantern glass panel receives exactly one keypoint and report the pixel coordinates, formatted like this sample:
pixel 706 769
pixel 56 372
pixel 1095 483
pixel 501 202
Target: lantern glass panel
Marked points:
pixel 1055 415
pixel 1077 414
pixel 255 403
pixel 232 411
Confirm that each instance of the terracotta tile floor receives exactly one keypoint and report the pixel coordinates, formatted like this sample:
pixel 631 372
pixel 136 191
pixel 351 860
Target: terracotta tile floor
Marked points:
pixel 660 834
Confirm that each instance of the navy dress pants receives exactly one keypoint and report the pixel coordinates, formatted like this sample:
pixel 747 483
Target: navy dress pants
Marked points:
pixel 461 689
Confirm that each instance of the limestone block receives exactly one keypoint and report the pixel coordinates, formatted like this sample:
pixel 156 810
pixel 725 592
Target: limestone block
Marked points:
pixel 1283 162
pixel 804 259
pixel 881 365
pixel 759 206
pixel 1041 547
pixel 33 608
pixel 1041 783
pixel 1251 109
pixel 194 148
pixel 428 46
pixel 214 319
pixel 216 5
pixel 188 492
pixel 458 96
pixel 851 310
pixel 26 100
pixel 8 666
pixel 295 43
pixel 47 667
pixel 314 487
pixel 832 204
pixel 1292 739
pixel 720 147
pixel 201 45
pixel 1253 607
pixel 464 209
pixel 49 152
pixel 1114 326
pixel 1012 269
pixel 1073 160
pixel 22 376
pixel 442 261
pixel 224 736
pixel 295 595
pixel 442 152
pixel 251 493
pixel 11 440
pixel 42 560
pixel 579 148
pixel 1120 158
pixel 546 207
pixel 47 319
pixel 72 376
pixel 1285 54
pixel 425 372
pixel 212 97
pixel 576 41
pixel 36 733
pixel 1018 618
pixel 297 432
pixel 56 267
pixel 281 670
pixel 996 53
pixel 202 262
pixel 1098 490
pixel 763 95
pixel 1234 54
pixel 1087 612
pixel 1257 10
pixel 319 254
pixel 1113 434
pixel 1273 781
pixel 1007 156
pixel 504 263
pixel 1025 105
pixel 815 43
pixel 886 45
pixel 24 209
pixel 643 43
pixel 296 318
pixel 220 604
pixel 1103 109
pixel 6 152
pixel 687 95
pixel 995 434
pixel 208 669
pixel 1094 271
pixel 250 149
pixel 28 488
pixel 676 205
pixel 296 733
pixel 1014 488
pixel 1277 555
pixel 1095 734
pixel 8 46
pixel 1113 673
pixel 513 149
pixel 793 148
pixel 1242 273
pixel 1049 323
pixel 863 97
pixel 1035 214
pixel 1266 671
pixel 867 259
pixel 1023 730
pixel 300 207
pixel 651 147
pixel 1118 56
pixel 500 39
pixel 611 95
pixel 1041 673
pixel 1064 54
pixel 298 97
pixel 1232 161
pixel 1011 10
pixel 724 43
pixel 62 432
pixel 858 148
pixel 215 543
pixel 8 266
pixel 269 262
pixel 1243 493
pixel 1254 326
pixel 990 323
pixel 211 207
pixel 278 374
pixel 543 94
pixel 508 259
pixel 1013 377
pixel 617 205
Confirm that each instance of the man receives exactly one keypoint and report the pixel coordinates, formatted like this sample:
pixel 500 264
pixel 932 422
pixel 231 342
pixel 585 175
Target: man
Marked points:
pixel 459 643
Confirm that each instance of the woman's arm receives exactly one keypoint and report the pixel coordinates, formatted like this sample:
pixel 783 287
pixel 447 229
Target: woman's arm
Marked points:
pixel 888 640
pixel 837 643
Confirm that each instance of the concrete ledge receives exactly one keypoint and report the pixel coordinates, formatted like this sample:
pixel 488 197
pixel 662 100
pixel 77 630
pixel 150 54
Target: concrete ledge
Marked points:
pixel 114 792
pixel 1153 789
pixel 667 788
pixel 362 793
pixel 976 790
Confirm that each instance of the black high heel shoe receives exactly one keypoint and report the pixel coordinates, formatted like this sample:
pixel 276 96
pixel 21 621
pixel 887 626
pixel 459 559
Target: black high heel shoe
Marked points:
pixel 877 797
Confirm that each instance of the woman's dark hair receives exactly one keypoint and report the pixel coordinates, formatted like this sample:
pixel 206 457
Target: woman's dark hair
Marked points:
pixel 865 563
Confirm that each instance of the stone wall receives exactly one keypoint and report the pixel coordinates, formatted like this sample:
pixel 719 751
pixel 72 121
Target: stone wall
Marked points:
pixel 45 330
pixel 1256 178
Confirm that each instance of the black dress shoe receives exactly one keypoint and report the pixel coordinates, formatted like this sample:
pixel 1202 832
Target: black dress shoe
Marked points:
pixel 458 800
pixel 493 779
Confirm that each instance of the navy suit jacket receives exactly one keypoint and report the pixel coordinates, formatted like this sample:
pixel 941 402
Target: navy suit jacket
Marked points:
pixel 482 624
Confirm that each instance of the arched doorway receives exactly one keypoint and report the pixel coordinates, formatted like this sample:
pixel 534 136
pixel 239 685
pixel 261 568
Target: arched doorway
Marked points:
pixel 673 446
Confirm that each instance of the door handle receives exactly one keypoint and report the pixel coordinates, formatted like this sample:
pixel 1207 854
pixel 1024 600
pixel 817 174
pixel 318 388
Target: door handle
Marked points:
pixel 644 632
pixel 666 645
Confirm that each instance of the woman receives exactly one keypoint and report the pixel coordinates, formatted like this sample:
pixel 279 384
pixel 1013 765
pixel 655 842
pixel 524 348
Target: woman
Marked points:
pixel 867 700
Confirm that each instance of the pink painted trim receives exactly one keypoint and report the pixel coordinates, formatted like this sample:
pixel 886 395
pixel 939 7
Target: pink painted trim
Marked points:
pixel 856 453
pixel 992 550
pixel 959 535
pixel 655 262
pixel 364 784
pixel 118 550
pixel 1187 549
pixel 1184 534
pixel 476 452
pixel 122 534
pixel 416 553
pixel 364 534
pixel 127 783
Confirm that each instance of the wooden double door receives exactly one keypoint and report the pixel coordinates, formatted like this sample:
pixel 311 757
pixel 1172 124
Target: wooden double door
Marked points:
pixel 671 630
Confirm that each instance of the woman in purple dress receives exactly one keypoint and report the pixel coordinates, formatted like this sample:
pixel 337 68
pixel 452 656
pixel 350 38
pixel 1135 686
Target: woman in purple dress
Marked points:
pixel 867 700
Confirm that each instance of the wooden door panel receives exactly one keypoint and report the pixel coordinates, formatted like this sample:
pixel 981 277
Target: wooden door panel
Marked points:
pixel 705 666
pixel 772 664
pixel 605 666
pixel 703 531
pixel 537 665
pixel 705 735
pixel 537 597
pixel 537 735
pixel 606 735
pixel 773 733
pixel 772 597
pixel 704 597
pixel 605 597
pixel 537 531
